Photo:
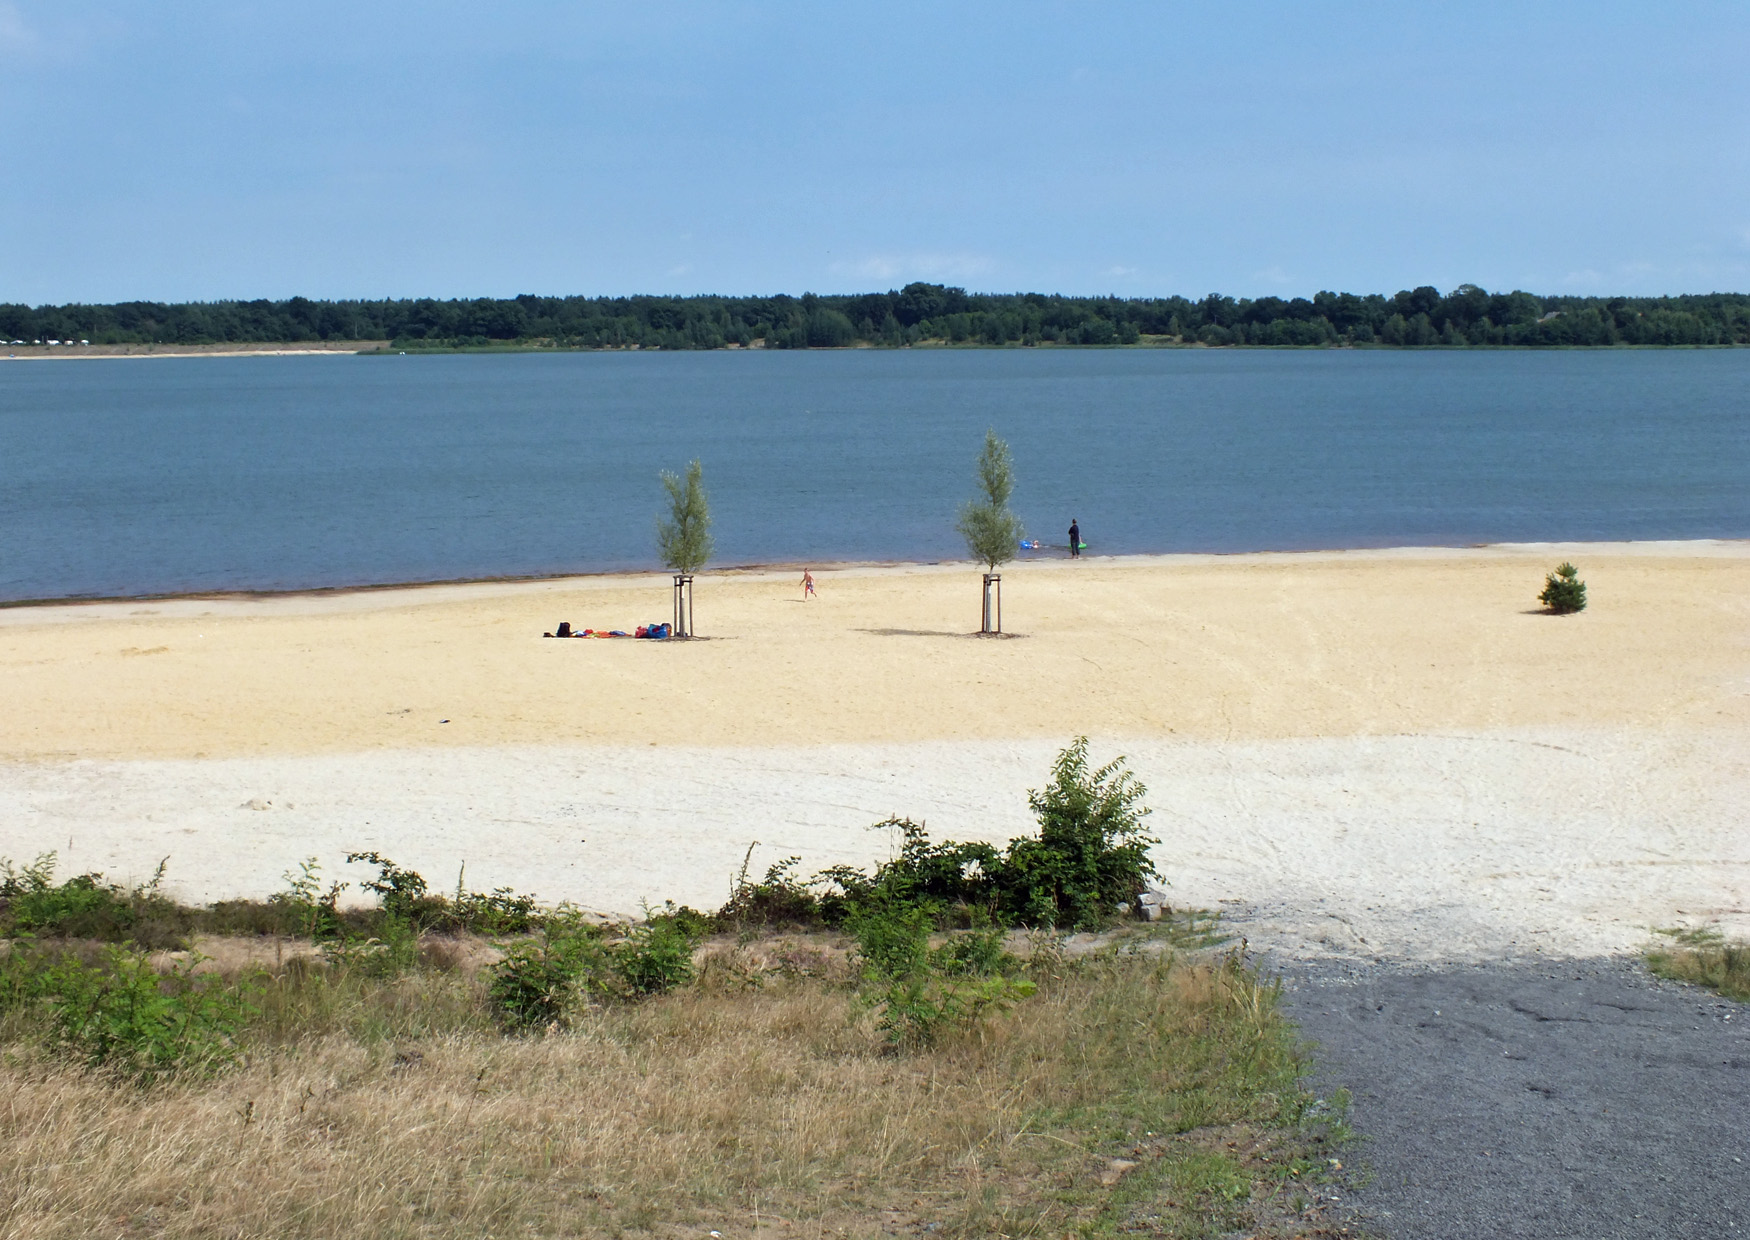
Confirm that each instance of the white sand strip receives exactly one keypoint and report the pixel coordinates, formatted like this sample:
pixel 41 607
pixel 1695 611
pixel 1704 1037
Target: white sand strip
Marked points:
pixel 1434 846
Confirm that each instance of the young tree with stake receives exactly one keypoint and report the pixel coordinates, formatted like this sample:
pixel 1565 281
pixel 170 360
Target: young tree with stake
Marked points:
pixel 993 534
pixel 684 538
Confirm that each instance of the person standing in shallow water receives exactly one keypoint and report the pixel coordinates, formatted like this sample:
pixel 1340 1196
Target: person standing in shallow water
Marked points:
pixel 1075 540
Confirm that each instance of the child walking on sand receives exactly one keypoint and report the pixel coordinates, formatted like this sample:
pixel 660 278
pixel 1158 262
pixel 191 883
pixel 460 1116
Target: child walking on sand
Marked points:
pixel 807 585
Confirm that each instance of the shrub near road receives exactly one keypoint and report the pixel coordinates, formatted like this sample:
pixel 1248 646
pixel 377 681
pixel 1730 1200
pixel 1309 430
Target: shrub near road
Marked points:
pixel 385 1079
pixel 1705 958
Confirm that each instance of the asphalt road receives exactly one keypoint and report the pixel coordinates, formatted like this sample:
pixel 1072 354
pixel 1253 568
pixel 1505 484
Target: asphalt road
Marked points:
pixel 1559 1099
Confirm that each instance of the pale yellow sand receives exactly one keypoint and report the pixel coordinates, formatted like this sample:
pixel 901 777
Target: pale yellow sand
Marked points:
pixel 1235 648
pixel 311 348
pixel 1382 752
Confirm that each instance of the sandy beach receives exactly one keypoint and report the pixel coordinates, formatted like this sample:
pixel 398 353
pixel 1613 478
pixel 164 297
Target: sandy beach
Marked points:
pixel 1382 753
pixel 304 348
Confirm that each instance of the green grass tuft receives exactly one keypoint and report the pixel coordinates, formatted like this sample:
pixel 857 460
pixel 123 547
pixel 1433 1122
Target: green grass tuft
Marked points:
pixel 1704 958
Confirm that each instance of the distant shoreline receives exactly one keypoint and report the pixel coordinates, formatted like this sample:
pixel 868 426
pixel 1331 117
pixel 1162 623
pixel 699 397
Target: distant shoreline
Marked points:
pixel 76 352
pixel 1720 548
pixel 381 348
pixel 919 313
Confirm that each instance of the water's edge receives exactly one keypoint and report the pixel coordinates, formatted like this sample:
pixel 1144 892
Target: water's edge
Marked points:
pixel 1711 547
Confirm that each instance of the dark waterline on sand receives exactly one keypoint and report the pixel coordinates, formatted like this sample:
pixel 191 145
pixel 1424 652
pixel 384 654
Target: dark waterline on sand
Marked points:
pixel 240 474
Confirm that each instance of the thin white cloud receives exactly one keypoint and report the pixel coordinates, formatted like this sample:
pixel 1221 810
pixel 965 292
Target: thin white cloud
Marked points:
pixel 15 35
pixel 1273 275
pixel 896 267
pixel 1122 273
pixel 1640 275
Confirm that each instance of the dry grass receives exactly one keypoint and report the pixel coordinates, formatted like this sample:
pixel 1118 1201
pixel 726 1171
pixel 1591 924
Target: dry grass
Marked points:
pixel 1706 959
pixel 768 1110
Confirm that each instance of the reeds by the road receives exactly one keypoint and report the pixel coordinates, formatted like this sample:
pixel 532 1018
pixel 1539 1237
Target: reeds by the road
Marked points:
pixel 1705 958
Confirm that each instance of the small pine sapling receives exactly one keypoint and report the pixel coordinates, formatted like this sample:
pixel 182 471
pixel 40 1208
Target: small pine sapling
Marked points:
pixel 1563 591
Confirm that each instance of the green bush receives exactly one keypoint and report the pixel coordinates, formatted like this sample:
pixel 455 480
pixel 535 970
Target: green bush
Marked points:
pixel 942 876
pixel 541 983
pixel 404 895
pixel 400 893
pixel 392 951
pixel 86 907
pixel 655 957
pixel 1563 591
pixel 919 992
pixel 893 939
pixel 915 1010
pixel 778 901
pixel 980 952
pixel 124 1014
pixel 304 907
pixel 499 911
pixel 1091 854
pixel 1090 857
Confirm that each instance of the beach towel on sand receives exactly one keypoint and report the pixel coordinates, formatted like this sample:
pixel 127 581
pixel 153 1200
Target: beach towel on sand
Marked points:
pixel 658 631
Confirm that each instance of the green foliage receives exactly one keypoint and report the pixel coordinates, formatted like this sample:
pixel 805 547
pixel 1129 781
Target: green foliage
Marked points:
pixel 1091 854
pixel 1704 958
pixel 86 907
pixel 1463 317
pixel 893 940
pixel 385 942
pixel 1563 591
pixel 941 877
pixel 402 893
pixel 993 534
pixel 541 983
pixel 980 952
pixel 304 908
pixel 390 951
pixel 915 1010
pixel 779 900
pixel 920 992
pixel 37 905
pixel 405 897
pixel 690 921
pixel 499 911
pixel 124 1014
pixel 1090 857
pixel 654 957
pixel 684 536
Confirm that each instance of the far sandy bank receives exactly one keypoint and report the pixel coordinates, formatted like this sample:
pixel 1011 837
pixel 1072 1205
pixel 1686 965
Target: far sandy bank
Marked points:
pixel 1224 648
pixel 300 348
pixel 1388 754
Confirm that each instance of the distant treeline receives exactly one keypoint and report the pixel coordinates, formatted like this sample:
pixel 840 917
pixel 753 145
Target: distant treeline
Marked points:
pixel 918 313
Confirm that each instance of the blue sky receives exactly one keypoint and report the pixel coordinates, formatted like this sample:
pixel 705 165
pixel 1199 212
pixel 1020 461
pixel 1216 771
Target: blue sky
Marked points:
pixel 196 151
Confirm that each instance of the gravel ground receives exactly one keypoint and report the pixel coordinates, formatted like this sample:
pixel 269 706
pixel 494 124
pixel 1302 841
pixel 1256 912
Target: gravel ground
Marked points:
pixel 1549 1099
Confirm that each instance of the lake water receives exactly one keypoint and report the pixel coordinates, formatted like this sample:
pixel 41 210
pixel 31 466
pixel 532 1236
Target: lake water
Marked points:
pixel 151 476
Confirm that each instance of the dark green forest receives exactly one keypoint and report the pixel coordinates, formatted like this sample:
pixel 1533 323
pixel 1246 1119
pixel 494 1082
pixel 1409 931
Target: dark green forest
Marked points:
pixel 916 314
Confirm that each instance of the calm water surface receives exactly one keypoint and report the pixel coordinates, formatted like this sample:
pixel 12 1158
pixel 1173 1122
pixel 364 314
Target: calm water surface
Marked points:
pixel 161 475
